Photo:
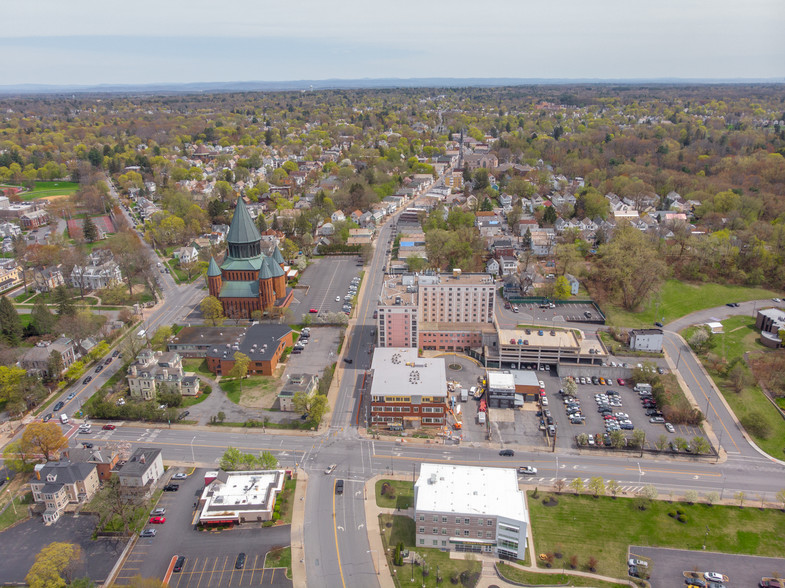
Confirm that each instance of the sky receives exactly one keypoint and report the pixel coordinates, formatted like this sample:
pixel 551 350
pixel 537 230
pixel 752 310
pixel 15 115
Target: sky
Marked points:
pixel 88 42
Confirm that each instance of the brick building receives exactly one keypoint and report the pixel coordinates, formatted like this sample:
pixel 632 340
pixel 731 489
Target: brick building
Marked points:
pixel 263 344
pixel 406 390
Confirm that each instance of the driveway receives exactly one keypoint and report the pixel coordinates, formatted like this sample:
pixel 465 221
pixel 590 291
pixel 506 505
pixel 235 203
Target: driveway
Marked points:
pixel 22 543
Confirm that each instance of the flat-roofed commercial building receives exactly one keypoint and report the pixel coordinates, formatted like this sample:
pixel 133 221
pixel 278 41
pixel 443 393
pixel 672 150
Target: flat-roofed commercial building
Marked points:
pixel 239 497
pixel 501 390
pixel 519 348
pixel 474 509
pixel 406 390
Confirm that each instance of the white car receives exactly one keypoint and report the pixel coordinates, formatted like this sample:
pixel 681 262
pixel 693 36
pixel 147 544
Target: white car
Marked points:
pixel 180 476
pixel 776 300
pixel 330 468
pixel 714 576
pixel 337 298
pixel 669 428
pixel 528 470
pixel 544 400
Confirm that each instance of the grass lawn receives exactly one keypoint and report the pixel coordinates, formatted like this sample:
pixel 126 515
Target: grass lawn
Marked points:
pixel 739 337
pixel 24 318
pixel 197 365
pixel 401 529
pixel 235 389
pixel 191 400
pixel 25 297
pixel 533 578
pixel 403 496
pixel 280 557
pixel 286 499
pixel 677 299
pixel 604 528
pixel 11 515
pixel 44 189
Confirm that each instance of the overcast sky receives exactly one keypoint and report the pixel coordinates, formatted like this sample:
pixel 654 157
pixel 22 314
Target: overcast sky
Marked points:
pixel 154 41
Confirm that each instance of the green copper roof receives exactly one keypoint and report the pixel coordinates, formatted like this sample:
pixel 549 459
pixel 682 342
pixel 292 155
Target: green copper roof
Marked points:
pixel 264 271
pixel 242 229
pixel 213 269
pixel 277 255
pixel 248 265
pixel 275 269
pixel 240 289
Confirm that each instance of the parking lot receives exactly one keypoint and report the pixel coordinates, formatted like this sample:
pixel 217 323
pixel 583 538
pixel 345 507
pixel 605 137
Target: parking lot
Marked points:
pixel 210 555
pixel 321 283
pixel 625 402
pixel 574 312
pixel 668 565
pixel 219 571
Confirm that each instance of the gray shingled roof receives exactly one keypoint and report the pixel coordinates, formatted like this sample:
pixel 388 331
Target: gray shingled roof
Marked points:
pixel 242 229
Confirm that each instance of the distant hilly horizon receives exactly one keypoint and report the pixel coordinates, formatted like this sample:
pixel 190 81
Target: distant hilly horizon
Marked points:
pixel 360 83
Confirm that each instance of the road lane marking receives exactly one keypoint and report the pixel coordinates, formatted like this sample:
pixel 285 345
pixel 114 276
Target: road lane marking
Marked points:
pixel 337 550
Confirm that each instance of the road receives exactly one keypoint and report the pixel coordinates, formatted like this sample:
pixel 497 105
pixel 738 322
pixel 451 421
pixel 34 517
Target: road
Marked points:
pixel 336 544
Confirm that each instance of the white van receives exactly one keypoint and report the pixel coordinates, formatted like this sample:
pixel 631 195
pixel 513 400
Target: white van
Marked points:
pixel 481 418
pixel 64 419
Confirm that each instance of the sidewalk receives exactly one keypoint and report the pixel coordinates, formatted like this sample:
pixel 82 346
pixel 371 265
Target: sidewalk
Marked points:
pixel 372 513
pixel 298 529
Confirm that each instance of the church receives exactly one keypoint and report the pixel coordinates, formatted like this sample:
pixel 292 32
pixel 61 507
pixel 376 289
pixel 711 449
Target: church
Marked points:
pixel 248 279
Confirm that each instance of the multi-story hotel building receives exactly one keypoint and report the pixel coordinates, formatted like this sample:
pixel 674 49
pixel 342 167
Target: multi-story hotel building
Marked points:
pixel 447 312
pixel 475 509
pixel 406 390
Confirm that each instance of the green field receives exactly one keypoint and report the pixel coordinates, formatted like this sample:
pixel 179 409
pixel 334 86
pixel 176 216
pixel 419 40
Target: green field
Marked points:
pixel 401 529
pixel 15 513
pixel 677 299
pixel 535 579
pixel 199 366
pixel 604 528
pixel 253 384
pixel 739 337
pixel 403 497
pixel 44 189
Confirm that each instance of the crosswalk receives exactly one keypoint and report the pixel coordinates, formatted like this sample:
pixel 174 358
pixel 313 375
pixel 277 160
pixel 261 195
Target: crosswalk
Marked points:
pixel 623 489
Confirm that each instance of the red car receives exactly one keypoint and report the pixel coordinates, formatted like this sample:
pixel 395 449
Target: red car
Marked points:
pixel 108 427
pixel 157 520
pixel 621 382
pixel 313 310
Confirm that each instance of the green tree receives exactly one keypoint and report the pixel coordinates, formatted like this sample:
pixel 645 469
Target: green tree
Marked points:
pixel 64 301
pixel 16 459
pixel 481 179
pixel 89 230
pixel 527 239
pixel 54 565
pixel 221 416
pixel 415 263
pixel 10 323
pixel 161 336
pixel 613 487
pixel 629 269
pixel 487 205
pixel 231 460
pixel 577 485
pixel 240 368
pixel 42 321
pixel 212 310
pixel 596 486
pixel 570 387
pixel 267 461
pixel 561 289
pixel 314 405
pixel 700 445
pixel 617 439
pixel 54 366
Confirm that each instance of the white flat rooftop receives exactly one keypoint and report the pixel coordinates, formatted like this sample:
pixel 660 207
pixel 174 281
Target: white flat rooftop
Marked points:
pixel 397 371
pixel 470 490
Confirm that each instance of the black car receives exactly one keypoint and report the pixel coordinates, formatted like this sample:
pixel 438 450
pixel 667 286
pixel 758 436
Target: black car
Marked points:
pixel 48 417
pixel 178 565
pixel 339 486
pixel 239 563
pixel 171 487
pixel 58 406
pixel 115 353
pixel 87 445
pixel 87 380
pixel 658 324
pixel 348 359
pixel 182 415
pixel 507 452
pixel 732 304
pixel 98 369
pixel 108 361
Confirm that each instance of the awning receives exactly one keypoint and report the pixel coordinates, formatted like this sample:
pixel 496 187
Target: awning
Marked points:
pixel 472 541
pixel 219 522
pixel 518 400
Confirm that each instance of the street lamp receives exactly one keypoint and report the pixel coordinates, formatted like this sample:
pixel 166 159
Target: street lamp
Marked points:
pixel 377 559
pixel 193 459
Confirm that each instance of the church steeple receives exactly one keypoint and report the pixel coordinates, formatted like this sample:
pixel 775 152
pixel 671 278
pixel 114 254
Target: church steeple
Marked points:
pixel 243 238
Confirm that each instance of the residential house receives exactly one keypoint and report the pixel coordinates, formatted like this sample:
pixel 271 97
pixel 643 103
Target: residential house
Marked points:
pixel 59 483
pixel 360 237
pixel 187 254
pixel 355 216
pixel 46 279
pixel 10 275
pixel 501 247
pixel 9 230
pixel 305 383
pixel 574 284
pixel 492 266
pixel 100 272
pixel 338 216
pixel 543 241
pixel 105 459
pixel 508 265
pixel 36 359
pixel 140 473
pixel 326 229
pixel 151 369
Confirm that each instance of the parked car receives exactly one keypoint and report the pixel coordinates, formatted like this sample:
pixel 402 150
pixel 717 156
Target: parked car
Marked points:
pixel 714 576
pixel 99 369
pixel 87 445
pixel 70 395
pixel 180 476
pixel 108 361
pixel 239 563
pixel 147 533
pixel 115 353
pixel 182 415
pixel 313 311
pixel 348 359
pixel 58 406
pixel 178 566
pixel 657 419
pixel 171 488
pixel 158 512
pixel 658 324
pixel 669 428
pixel 157 520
